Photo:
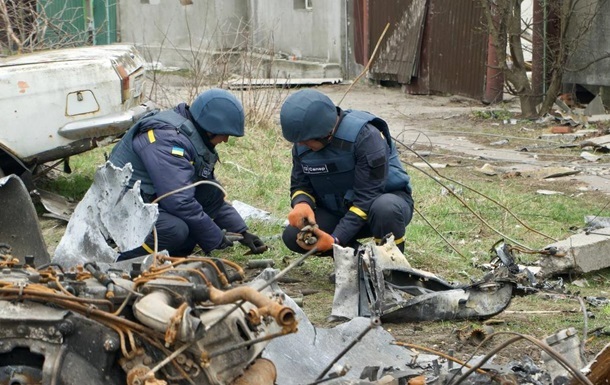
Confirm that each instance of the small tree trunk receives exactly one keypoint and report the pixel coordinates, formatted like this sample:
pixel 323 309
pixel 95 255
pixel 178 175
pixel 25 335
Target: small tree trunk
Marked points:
pixel 528 106
pixel 552 92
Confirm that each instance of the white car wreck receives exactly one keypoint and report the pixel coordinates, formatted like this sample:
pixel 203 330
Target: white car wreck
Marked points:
pixel 58 103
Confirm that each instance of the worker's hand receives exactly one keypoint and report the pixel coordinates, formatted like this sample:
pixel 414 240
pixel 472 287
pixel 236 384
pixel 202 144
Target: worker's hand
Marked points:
pixel 256 245
pixel 301 215
pixel 325 241
pixel 226 242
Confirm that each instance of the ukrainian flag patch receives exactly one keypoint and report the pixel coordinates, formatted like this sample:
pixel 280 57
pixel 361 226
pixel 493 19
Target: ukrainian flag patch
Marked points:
pixel 177 151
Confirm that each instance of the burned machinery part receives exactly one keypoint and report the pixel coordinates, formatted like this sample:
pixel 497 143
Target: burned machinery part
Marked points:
pixel 307 236
pixel 379 282
pixel 63 327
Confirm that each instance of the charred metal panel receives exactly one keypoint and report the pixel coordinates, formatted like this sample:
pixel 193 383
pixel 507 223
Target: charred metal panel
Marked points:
pixel 20 232
pixel 398 54
pixel 458 51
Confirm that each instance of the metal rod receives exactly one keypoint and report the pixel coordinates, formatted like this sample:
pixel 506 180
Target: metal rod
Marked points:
pixel 374 322
pixel 282 273
pixel 243 345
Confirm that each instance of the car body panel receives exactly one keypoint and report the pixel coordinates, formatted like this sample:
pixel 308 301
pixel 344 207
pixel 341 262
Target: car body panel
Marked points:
pixel 59 103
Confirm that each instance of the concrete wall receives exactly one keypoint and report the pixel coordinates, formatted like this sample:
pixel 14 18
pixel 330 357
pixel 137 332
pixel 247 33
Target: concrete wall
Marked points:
pixel 171 32
pixel 301 42
pixel 595 45
pixel 317 33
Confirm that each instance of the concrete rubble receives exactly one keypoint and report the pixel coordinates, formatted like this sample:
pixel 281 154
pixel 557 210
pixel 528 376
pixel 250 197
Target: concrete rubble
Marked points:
pixel 580 253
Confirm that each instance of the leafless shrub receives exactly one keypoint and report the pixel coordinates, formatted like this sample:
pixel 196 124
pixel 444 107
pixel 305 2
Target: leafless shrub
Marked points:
pixel 26 26
pixel 566 25
pixel 239 66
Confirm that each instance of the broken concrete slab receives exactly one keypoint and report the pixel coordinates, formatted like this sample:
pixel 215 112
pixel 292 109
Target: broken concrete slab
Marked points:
pixel 580 253
pixel 593 222
pixel 566 343
pixel 599 118
pixel 600 142
pixel 589 156
pixel 580 134
pixel 595 107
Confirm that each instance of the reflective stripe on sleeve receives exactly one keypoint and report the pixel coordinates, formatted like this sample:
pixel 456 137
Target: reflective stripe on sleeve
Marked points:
pixel 147 248
pixel 299 192
pixel 358 212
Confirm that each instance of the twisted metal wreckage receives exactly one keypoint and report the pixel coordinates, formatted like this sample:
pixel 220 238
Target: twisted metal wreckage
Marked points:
pixel 80 318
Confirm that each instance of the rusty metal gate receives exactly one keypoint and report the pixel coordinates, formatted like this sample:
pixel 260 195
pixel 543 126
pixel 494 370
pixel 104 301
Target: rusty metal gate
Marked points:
pixel 432 46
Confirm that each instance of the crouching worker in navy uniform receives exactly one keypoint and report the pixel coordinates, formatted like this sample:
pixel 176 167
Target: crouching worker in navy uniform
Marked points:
pixel 173 149
pixel 346 175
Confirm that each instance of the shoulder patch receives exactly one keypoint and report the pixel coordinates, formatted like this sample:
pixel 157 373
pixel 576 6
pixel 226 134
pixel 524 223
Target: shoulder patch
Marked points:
pixel 177 151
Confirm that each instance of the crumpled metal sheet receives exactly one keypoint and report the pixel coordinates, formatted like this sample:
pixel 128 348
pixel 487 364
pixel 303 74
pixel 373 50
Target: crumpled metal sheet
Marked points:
pixel 403 294
pixel 300 358
pixel 108 211
pixel 19 222
pixel 378 281
pixel 347 284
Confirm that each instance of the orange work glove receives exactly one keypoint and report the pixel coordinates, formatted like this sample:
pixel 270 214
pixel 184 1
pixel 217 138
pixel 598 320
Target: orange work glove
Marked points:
pixel 301 215
pixel 325 241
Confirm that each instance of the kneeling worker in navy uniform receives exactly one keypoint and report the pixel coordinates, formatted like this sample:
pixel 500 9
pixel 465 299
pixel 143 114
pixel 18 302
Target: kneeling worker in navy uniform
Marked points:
pixel 346 175
pixel 173 149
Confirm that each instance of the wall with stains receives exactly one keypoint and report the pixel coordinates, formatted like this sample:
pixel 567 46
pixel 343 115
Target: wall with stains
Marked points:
pixel 174 34
pixel 301 29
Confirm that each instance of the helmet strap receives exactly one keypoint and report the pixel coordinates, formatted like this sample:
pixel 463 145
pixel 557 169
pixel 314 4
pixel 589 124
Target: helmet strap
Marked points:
pixel 329 138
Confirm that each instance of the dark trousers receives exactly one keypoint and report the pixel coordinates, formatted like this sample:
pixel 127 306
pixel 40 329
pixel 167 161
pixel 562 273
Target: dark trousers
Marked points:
pixel 173 232
pixel 389 214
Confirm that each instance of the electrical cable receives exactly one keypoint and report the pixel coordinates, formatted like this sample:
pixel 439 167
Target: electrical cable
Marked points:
pixel 550 351
pixel 476 192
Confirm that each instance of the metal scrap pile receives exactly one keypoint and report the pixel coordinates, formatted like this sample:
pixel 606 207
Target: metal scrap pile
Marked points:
pixel 178 321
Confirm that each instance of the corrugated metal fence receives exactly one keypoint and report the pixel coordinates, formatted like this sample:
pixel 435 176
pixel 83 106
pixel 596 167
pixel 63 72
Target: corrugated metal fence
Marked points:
pixel 79 22
pixel 432 46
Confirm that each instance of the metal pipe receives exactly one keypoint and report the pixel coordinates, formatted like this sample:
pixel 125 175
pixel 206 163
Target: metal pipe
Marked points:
pixel 117 28
pixel 346 40
pixel 283 315
pixel 107 5
pixel 288 268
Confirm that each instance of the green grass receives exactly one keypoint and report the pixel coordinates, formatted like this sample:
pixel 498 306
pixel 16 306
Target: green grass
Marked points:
pixel 255 169
pixel 75 184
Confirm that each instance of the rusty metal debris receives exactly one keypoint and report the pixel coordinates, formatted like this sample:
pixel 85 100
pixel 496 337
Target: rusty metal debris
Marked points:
pixel 67 318
pixel 166 320
pixel 307 236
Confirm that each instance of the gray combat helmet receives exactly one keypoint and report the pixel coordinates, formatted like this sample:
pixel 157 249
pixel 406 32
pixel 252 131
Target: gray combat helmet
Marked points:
pixel 307 114
pixel 218 112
